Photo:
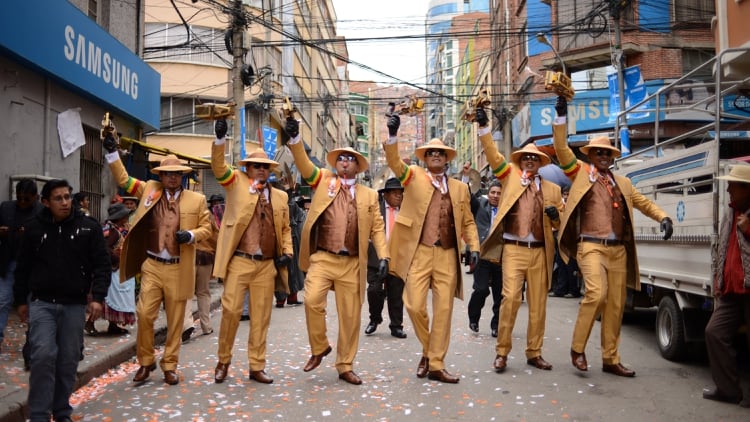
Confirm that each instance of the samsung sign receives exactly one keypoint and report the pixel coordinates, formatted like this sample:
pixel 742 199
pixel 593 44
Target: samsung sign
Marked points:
pixel 59 39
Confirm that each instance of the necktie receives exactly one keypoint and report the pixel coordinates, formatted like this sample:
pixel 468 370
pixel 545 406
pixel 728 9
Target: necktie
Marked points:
pixel 391 220
pixel 494 214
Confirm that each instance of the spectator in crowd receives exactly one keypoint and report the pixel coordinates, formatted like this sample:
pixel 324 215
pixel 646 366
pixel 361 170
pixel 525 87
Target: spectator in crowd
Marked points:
pixel 82 202
pixel 62 257
pixel 13 217
pixel 731 288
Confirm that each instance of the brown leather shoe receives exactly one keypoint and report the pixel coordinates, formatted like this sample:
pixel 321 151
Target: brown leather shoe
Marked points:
pixel 221 372
pixel 500 363
pixel 315 360
pixel 171 377
pixel 540 363
pixel 143 373
pixel 443 376
pixel 261 377
pixel 350 377
pixel 618 370
pixel 579 360
pixel 424 366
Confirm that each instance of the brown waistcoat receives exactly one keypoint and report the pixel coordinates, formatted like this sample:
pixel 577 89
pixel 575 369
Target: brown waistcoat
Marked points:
pixel 525 216
pixel 164 221
pixel 438 222
pixel 260 236
pixel 599 216
pixel 332 234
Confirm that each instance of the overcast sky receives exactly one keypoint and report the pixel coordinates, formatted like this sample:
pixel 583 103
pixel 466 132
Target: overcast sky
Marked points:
pixel 403 59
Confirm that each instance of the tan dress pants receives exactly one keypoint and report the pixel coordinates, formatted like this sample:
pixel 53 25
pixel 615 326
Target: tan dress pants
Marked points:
pixel 257 277
pixel 203 294
pixel 521 264
pixel 341 274
pixel 604 275
pixel 432 268
pixel 156 278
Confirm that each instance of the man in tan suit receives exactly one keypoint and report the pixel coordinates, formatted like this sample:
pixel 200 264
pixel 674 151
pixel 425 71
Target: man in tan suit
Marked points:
pixel 343 217
pixel 161 246
pixel 521 238
pixel 434 216
pixel 253 250
pixel 597 229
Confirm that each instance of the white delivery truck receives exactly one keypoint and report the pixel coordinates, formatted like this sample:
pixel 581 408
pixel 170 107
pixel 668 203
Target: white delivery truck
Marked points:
pixel 679 175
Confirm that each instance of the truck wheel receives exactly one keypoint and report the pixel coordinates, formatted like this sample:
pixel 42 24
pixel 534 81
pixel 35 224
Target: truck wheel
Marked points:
pixel 670 329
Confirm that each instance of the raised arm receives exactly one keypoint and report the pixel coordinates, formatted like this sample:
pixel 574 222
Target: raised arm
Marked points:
pixel 500 166
pixel 223 172
pixel 568 161
pixel 309 171
pixel 395 163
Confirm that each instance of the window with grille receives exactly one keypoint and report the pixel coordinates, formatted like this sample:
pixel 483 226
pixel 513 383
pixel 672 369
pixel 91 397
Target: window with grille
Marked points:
pixel 92 166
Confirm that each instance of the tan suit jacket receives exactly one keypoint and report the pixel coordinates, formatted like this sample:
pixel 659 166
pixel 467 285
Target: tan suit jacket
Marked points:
pixel 410 219
pixel 194 216
pixel 240 210
pixel 370 223
pixel 510 176
pixel 578 172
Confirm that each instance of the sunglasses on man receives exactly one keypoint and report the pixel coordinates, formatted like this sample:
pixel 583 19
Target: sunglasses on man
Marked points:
pixel 603 152
pixel 264 166
pixel 434 153
pixel 346 157
pixel 529 157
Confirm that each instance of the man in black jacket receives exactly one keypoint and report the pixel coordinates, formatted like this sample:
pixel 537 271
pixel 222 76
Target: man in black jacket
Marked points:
pixel 487 275
pixel 62 258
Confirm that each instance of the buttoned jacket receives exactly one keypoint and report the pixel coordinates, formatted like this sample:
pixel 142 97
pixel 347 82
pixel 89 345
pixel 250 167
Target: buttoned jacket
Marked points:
pixel 407 230
pixel 578 173
pixel 509 175
pixel 239 210
pixel 370 224
pixel 194 216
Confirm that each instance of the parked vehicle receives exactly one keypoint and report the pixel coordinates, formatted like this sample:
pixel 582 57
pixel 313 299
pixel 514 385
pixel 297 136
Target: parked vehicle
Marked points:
pixel 679 175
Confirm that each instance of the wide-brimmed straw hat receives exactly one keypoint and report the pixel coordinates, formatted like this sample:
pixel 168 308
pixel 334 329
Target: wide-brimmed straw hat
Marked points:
pixel 435 143
pixel 362 163
pixel 739 173
pixel 258 156
pixel 529 148
pixel 391 184
pixel 171 163
pixel 600 142
pixel 117 211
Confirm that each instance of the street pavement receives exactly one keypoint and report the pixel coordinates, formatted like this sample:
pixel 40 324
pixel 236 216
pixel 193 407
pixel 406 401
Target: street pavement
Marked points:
pixel 661 390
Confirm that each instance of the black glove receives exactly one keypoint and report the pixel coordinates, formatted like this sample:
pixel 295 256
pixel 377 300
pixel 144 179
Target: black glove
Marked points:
pixel 182 236
pixel 666 227
pixel 383 269
pixel 109 143
pixel 393 123
pixel 282 261
pixel 561 106
pixel 481 117
pixel 220 128
pixel 474 258
pixel 552 213
pixel 291 127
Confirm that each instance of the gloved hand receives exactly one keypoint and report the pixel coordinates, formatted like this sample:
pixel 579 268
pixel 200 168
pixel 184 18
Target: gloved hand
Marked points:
pixel 220 128
pixel 291 127
pixel 383 269
pixel 393 123
pixel 552 212
pixel 481 117
pixel 561 106
pixel 666 227
pixel 109 143
pixel 282 261
pixel 474 258
pixel 182 236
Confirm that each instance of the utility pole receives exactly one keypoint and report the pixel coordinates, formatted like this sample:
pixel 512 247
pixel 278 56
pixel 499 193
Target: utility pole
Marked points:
pixel 239 24
pixel 616 7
